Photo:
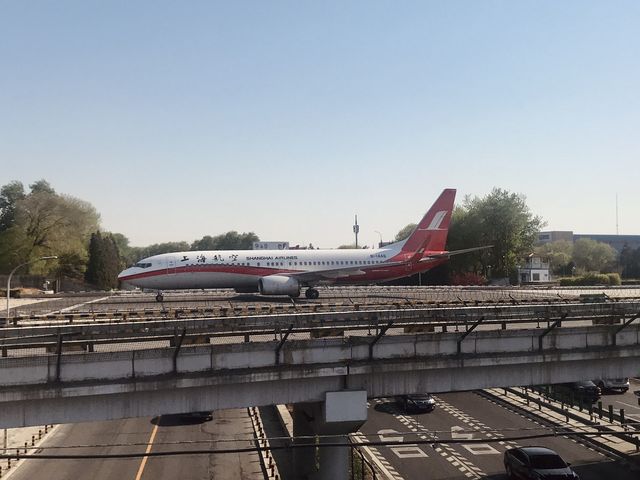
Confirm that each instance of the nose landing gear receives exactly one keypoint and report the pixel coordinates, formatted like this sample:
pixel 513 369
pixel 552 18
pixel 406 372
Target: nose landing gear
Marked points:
pixel 159 297
pixel 311 293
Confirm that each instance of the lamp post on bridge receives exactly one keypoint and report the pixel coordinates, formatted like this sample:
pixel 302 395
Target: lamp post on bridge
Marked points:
pixel 379 244
pixel 11 274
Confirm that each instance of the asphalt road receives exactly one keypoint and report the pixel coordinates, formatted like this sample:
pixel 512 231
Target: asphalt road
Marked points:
pixel 227 429
pixel 466 415
pixel 628 401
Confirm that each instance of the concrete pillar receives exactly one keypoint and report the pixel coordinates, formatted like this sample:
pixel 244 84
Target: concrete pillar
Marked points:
pixel 340 414
pixel 304 459
pixel 334 461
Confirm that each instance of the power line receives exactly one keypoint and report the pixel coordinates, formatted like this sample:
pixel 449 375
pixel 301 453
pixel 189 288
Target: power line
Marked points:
pixel 290 445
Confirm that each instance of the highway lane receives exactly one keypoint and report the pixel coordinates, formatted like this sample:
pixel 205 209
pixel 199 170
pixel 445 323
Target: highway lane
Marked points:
pixel 466 415
pixel 135 430
pixel 228 424
pixel 628 401
pixel 229 429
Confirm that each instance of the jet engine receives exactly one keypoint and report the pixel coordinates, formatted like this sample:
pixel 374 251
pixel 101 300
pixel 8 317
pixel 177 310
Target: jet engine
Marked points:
pixel 279 285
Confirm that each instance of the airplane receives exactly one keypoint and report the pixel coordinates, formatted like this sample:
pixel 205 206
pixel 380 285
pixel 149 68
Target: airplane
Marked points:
pixel 287 272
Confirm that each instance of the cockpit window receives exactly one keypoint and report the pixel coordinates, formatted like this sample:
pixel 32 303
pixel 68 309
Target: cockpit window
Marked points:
pixel 143 265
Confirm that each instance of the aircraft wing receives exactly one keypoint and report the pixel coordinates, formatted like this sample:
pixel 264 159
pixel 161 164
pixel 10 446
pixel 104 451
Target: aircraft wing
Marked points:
pixel 336 273
pixel 453 252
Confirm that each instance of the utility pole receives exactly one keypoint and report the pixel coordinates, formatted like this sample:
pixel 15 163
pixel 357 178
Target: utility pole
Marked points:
pixel 356 229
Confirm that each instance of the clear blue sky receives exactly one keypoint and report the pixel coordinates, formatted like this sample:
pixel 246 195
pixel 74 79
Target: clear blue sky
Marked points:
pixel 181 119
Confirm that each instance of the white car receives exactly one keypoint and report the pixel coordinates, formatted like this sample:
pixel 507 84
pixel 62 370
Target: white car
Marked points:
pixel 612 384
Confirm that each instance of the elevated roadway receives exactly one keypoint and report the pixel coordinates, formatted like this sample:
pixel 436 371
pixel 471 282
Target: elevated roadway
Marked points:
pixel 170 366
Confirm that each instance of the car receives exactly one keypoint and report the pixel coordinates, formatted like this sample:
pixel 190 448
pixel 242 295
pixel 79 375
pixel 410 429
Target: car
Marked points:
pixel 196 416
pixel 585 391
pixel 536 463
pixel 417 402
pixel 612 384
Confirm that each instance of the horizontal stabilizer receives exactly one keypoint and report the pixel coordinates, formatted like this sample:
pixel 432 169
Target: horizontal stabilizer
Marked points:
pixel 454 252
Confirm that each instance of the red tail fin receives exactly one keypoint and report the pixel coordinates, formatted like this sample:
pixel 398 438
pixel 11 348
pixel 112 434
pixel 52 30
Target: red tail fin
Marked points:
pixel 431 232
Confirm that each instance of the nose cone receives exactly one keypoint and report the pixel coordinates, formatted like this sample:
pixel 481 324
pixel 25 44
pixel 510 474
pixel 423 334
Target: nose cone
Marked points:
pixel 126 274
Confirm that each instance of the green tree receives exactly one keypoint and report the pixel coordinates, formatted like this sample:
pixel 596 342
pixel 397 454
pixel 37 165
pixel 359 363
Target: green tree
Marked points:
pixel 158 248
pixel 405 232
pixel 128 254
pixel 103 265
pixel 593 256
pixel 231 240
pixel 503 219
pixel 43 222
pixel 559 253
pixel 71 265
pixel 10 195
pixel 465 231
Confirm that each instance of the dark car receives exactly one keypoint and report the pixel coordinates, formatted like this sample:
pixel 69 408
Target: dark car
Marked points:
pixel 419 402
pixel 196 416
pixel 536 463
pixel 585 391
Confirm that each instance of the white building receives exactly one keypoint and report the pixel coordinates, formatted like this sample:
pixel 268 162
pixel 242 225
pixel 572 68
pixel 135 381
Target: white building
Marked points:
pixel 535 270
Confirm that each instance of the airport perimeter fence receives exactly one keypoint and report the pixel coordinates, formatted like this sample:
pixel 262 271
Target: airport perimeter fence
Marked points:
pixel 25 339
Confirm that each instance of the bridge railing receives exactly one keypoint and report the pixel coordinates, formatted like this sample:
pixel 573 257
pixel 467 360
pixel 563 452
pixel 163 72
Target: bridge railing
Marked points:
pixel 170 333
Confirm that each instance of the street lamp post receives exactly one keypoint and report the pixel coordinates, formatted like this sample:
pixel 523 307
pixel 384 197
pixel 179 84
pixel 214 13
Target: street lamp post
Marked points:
pixel 14 271
pixel 380 244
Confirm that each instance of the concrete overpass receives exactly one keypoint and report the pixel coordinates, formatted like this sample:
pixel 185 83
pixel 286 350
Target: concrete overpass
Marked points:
pixel 71 374
pixel 109 370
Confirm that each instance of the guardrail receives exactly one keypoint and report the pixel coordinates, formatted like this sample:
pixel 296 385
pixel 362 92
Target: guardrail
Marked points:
pixel 125 303
pixel 130 335
pixel 231 308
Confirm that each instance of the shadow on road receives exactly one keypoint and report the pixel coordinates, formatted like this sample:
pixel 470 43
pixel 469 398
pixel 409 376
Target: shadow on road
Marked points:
pixel 180 419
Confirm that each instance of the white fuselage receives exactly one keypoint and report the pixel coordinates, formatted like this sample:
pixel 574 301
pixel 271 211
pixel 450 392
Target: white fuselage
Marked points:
pixel 243 268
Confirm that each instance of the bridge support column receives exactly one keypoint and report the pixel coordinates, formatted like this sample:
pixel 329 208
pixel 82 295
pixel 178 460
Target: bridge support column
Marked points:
pixel 340 414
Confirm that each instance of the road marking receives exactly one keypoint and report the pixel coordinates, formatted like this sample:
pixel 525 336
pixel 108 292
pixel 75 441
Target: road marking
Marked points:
pixel 455 433
pixel 409 451
pixel 81 304
pixel 386 437
pixel 629 405
pixel 481 449
pixel 149 445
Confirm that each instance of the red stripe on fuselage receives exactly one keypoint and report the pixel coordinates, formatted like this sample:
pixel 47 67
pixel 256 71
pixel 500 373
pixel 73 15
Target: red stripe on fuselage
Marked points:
pixel 371 273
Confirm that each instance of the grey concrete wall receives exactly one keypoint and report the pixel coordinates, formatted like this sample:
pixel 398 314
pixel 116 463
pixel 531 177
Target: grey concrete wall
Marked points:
pixel 110 385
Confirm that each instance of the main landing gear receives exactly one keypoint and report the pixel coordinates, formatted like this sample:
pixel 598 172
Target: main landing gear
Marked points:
pixel 312 293
pixel 159 297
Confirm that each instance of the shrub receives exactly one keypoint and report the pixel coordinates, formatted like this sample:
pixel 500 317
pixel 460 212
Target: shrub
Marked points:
pixel 589 279
pixel 614 279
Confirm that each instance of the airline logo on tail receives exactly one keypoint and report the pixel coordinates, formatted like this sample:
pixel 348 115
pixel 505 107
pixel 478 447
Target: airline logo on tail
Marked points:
pixel 437 220
pixel 431 232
